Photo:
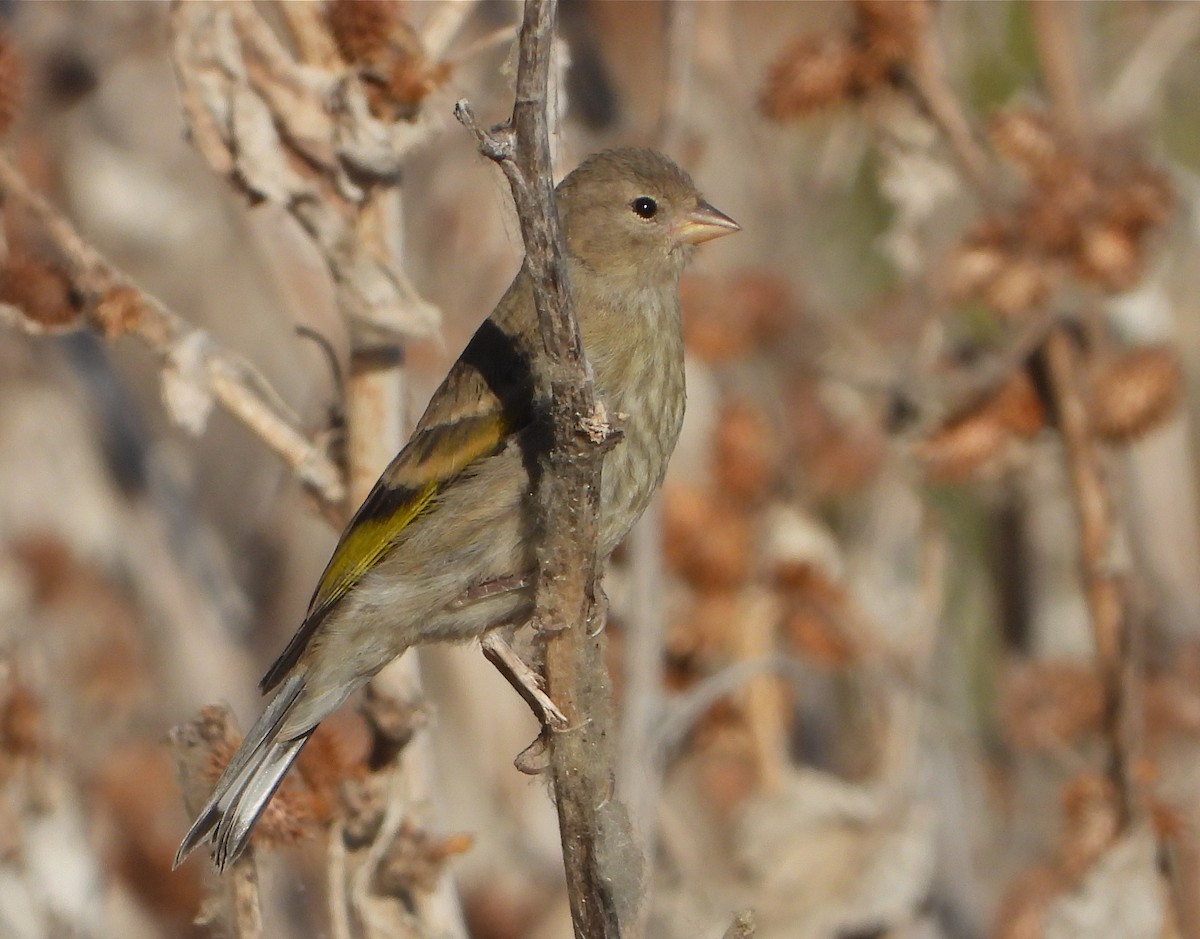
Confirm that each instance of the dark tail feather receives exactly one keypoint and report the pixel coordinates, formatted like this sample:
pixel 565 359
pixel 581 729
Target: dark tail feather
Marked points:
pixel 246 785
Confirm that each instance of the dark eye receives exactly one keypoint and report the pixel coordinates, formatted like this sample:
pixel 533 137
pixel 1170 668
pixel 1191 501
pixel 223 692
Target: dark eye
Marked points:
pixel 644 207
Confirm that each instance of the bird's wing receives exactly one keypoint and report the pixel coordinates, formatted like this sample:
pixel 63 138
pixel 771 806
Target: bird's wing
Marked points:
pixel 486 397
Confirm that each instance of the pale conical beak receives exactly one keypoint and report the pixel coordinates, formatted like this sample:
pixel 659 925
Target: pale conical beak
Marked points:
pixel 705 223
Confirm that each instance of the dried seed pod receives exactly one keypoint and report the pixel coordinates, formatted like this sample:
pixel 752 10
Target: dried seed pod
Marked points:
pixel 710 332
pixel 362 29
pixel 323 766
pixel 811 73
pixel 763 302
pixel 1109 256
pixel 1049 223
pixel 1045 706
pixel 815 615
pixel 1017 406
pixel 1026 138
pixel 21 730
pixel 12 82
pixel 1135 393
pixel 374 37
pixel 959 449
pixel 414 861
pixel 1092 820
pixel 1144 199
pixel 890 30
pixel 972 268
pixel 117 311
pixel 38 289
pixel 705 539
pixel 699 639
pixel 745 452
pixel 1022 285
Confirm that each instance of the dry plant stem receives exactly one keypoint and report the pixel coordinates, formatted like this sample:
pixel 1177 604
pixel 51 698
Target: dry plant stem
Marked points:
pixel 1056 31
pixel 192 745
pixel 1056 26
pixel 763 699
pixel 162 330
pixel 600 859
pixel 928 76
pixel 680 29
pixel 1094 512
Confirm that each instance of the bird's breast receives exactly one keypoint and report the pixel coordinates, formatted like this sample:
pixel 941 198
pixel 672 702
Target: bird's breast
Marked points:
pixel 645 395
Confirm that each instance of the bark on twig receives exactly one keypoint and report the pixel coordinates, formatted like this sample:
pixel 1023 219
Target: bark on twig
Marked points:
pixel 602 864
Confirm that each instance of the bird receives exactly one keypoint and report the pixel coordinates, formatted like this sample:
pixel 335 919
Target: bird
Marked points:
pixel 443 548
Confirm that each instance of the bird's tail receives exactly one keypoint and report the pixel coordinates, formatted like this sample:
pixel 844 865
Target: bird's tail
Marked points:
pixel 248 782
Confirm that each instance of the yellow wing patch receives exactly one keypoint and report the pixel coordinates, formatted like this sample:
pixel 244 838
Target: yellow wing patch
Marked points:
pixel 405 491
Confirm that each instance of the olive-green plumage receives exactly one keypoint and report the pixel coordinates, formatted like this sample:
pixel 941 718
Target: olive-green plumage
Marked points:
pixel 453 512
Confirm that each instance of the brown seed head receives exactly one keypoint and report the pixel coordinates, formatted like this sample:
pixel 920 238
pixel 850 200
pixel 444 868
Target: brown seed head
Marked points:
pixel 1143 199
pixel 38 289
pixel 745 453
pixel 709 331
pixel 117 311
pixel 1049 705
pixel 415 860
pixel 20 723
pixel 1017 406
pixel 1026 138
pixel 813 72
pixel 960 449
pixel 12 82
pixel 1023 284
pixel 1109 256
pixel 363 29
pixel 971 268
pixel 706 540
pixel 1091 821
pixel 889 30
pixel 1135 393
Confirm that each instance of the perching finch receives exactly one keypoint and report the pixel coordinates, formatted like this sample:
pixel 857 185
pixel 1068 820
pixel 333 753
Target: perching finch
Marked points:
pixel 450 521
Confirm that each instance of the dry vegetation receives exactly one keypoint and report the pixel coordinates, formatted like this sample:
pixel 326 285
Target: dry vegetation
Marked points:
pixel 910 646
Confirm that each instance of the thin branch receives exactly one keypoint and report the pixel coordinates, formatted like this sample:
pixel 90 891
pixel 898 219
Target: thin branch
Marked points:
pixel 603 865
pixel 1095 513
pixel 928 76
pixel 1056 26
pixel 222 375
pixel 1056 32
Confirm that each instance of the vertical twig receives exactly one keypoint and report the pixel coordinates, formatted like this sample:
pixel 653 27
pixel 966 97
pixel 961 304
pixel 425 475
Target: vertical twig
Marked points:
pixel 1094 511
pixel 603 867
pixel 928 77
pixel 1057 26
pixel 1056 31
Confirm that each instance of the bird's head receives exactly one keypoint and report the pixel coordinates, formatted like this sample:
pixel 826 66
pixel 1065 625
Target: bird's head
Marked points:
pixel 634 213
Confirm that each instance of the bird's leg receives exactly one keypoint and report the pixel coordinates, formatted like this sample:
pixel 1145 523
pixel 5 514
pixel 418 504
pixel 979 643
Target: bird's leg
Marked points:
pixel 489 589
pixel 524 680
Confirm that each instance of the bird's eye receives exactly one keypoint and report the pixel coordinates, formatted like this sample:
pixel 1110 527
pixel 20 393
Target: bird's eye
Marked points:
pixel 644 207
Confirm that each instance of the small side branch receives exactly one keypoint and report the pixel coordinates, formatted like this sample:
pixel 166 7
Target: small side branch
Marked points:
pixel 115 305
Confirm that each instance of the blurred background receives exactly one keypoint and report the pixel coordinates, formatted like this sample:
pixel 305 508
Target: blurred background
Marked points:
pixel 909 646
